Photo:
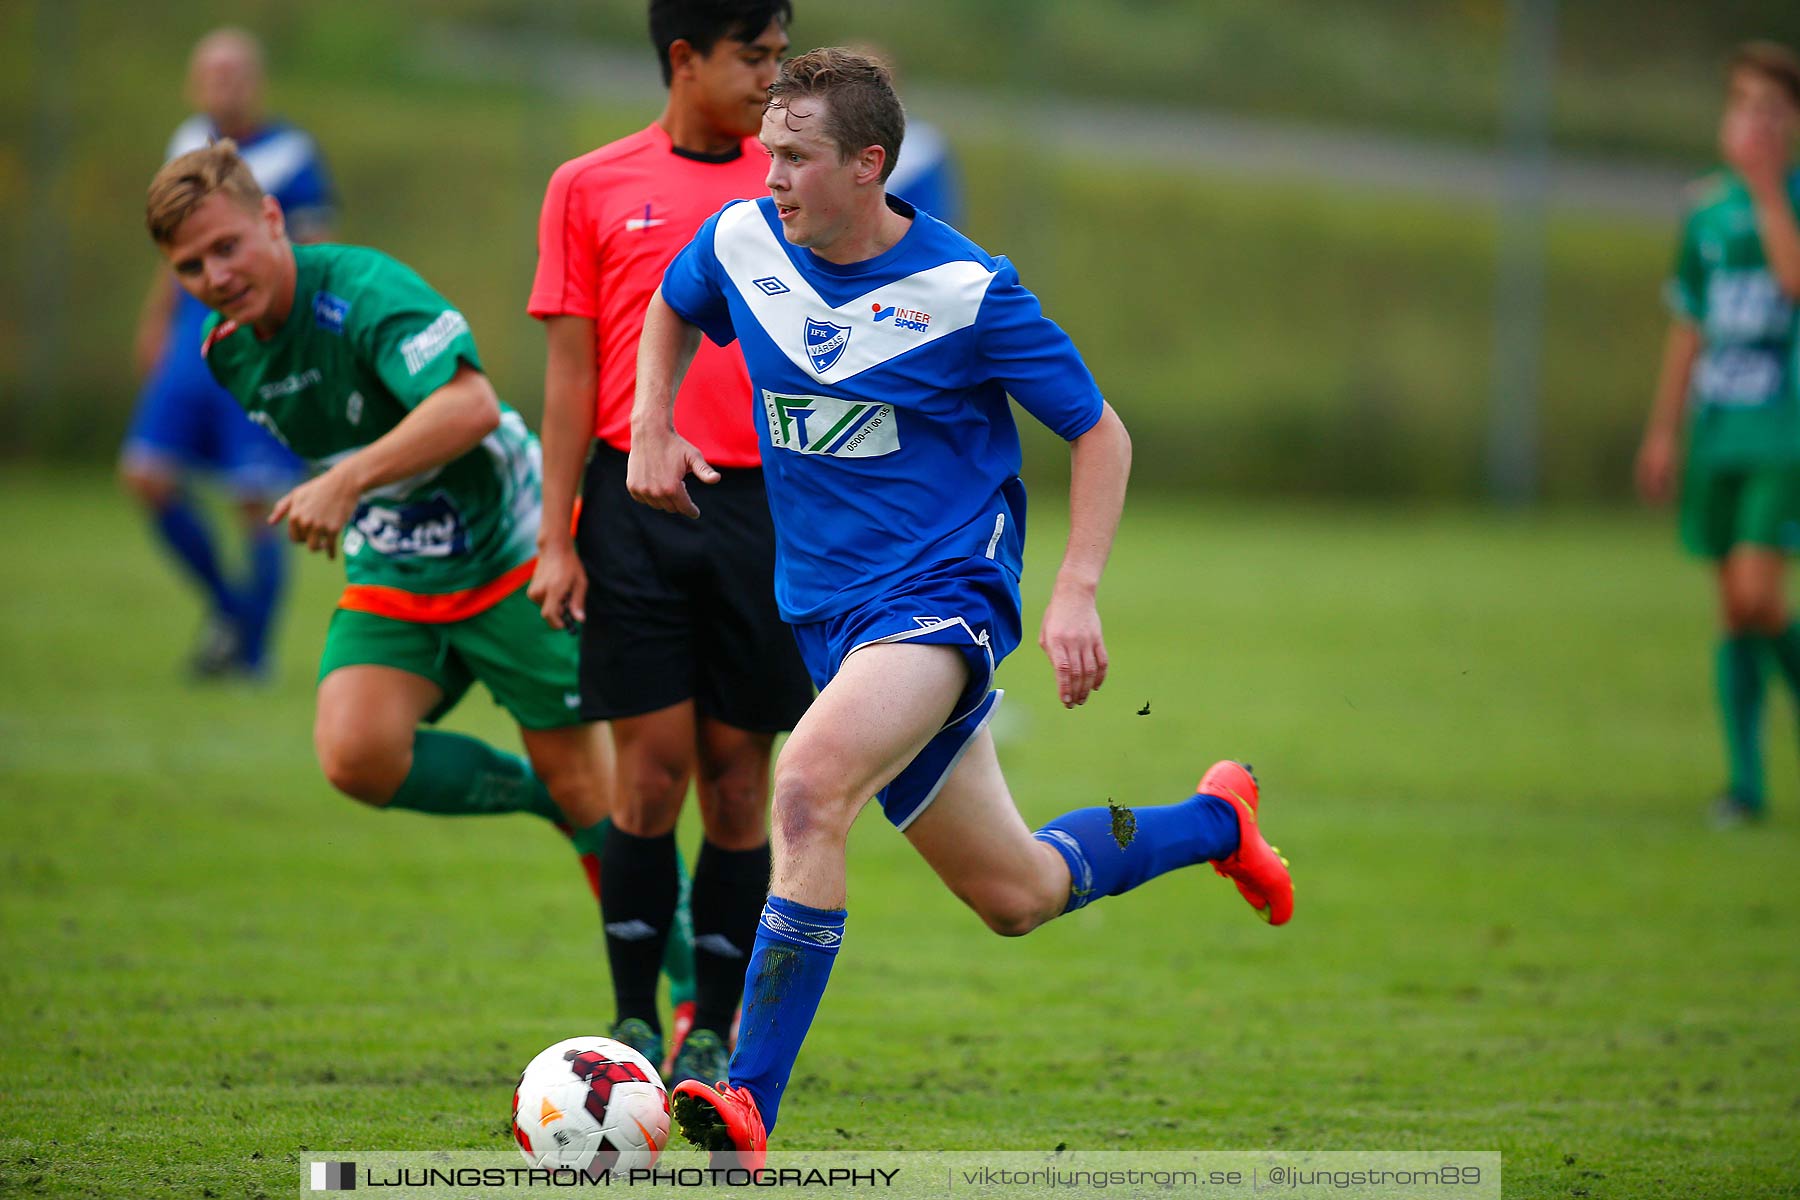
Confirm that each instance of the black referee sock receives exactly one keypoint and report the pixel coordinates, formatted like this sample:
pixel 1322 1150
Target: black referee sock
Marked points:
pixel 729 889
pixel 638 893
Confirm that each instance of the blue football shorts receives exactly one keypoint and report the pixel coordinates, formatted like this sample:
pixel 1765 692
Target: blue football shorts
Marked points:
pixel 185 420
pixel 970 604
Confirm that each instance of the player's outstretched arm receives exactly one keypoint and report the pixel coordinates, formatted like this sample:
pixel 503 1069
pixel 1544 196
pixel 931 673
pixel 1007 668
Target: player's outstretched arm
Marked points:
pixel 661 459
pixel 1100 465
pixel 445 425
pixel 1660 454
pixel 559 585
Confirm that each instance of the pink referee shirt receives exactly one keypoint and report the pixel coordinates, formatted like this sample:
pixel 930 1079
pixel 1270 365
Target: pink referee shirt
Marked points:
pixel 613 219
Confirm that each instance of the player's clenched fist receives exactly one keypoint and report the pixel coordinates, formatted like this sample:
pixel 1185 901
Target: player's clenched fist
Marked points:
pixel 656 474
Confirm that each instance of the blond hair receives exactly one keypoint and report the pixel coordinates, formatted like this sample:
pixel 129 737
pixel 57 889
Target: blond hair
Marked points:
pixel 185 182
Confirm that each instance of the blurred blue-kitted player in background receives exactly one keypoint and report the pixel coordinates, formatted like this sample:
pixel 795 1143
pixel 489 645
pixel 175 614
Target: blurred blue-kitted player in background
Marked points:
pixel 925 176
pixel 184 421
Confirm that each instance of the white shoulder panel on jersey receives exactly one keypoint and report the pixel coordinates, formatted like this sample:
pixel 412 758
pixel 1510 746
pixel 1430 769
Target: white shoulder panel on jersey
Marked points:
pixel 753 257
pixel 922 150
pixel 276 160
pixel 195 133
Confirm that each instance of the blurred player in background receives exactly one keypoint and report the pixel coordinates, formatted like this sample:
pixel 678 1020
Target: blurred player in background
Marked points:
pixel 1728 365
pixel 184 421
pixel 883 346
pixel 926 174
pixel 429 482
pixel 682 647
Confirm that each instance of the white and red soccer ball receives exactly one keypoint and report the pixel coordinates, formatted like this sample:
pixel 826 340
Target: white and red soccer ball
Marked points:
pixel 591 1104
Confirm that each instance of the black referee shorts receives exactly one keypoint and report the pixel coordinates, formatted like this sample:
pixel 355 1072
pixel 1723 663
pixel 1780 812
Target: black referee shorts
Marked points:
pixel 679 609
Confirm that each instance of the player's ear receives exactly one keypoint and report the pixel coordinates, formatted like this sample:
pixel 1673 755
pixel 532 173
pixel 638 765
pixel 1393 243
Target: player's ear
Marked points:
pixel 869 163
pixel 681 55
pixel 273 217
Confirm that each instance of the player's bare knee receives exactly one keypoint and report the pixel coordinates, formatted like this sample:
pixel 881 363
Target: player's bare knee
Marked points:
pixel 1010 912
pixel 1768 618
pixel 810 807
pixel 361 767
pixel 1767 608
pixel 576 790
pixel 253 513
pixel 153 489
pixel 1738 610
pixel 734 808
pixel 737 826
pixel 650 795
pixel 1753 611
pixel 657 780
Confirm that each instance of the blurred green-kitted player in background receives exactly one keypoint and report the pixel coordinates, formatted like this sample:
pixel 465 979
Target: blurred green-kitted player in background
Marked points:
pixel 1729 365
pixel 433 487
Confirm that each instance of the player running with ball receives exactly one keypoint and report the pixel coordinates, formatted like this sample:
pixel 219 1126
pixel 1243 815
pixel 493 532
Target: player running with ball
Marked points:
pixel 429 483
pixel 882 346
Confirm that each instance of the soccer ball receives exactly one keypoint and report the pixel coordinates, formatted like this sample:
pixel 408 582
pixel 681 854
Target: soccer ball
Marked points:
pixel 591 1104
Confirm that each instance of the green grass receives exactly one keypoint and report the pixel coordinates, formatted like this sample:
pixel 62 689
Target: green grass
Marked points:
pixel 1486 746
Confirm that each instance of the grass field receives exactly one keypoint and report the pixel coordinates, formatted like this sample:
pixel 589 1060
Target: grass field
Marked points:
pixel 1485 745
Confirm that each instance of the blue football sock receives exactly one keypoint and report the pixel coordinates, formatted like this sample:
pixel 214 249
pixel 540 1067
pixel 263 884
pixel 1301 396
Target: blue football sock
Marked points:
pixel 1157 840
pixel 262 593
pixel 185 532
pixel 789 966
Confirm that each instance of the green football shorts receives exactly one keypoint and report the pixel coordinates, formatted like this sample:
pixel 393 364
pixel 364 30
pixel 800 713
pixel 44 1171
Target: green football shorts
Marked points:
pixel 1726 507
pixel 530 668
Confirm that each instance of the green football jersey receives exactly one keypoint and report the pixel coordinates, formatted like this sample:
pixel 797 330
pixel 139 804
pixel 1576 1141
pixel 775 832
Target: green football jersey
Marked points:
pixel 1743 402
pixel 365 342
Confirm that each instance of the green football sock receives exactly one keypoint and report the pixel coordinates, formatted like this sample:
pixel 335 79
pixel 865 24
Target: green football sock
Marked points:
pixel 678 952
pixel 1739 670
pixel 1784 647
pixel 457 776
pixel 678 956
pixel 591 840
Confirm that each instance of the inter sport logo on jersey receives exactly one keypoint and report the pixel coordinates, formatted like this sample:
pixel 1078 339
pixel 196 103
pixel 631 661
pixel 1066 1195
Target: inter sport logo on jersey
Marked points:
pixel 825 343
pixel 824 425
pixel 903 318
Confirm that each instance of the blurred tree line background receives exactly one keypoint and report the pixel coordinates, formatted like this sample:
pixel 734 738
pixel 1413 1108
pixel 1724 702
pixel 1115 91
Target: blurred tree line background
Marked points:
pixel 1270 224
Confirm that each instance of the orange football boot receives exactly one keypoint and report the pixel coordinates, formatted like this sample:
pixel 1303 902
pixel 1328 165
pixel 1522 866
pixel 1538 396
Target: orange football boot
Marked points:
pixel 1258 869
pixel 723 1120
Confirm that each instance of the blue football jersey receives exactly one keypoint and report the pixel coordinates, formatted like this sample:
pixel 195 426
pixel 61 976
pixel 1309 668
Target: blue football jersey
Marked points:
pixel 881 396
pixel 285 161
